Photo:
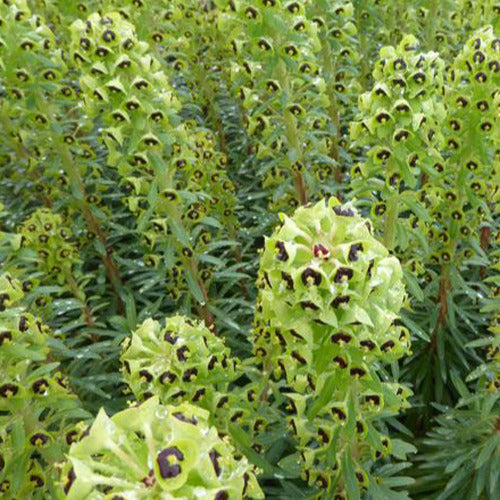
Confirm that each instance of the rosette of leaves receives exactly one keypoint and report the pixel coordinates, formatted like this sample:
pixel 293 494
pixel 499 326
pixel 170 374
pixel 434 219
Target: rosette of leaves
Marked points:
pixel 276 74
pixel 400 128
pixel 327 318
pixel 38 413
pixel 178 360
pixel 153 450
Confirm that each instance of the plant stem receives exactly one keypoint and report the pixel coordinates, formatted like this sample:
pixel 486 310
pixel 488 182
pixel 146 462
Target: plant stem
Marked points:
pixel 293 136
pixel 78 189
pixel 79 294
pixel 430 27
pixel 391 218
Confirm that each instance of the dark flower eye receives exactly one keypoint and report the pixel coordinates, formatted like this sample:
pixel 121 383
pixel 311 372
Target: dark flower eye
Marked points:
pixel 214 458
pixel 264 45
pixel 128 44
pixel 181 353
pixel 167 377
pixel 39 439
pixel 310 276
pixel 8 390
pixel 183 418
pixel 102 51
pixel 282 253
pixel 340 362
pixel 383 117
pixel 384 154
pixel 399 64
pixel 357 372
pixel 299 358
pixel 342 299
pixel 494 66
pixel 40 386
pixel 170 337
pixel 340 337
pixel 168 469
pixel 368 344
pixel 344 212
pixel 339 413
pixel 354 250
pixel 341 273
pixel 387 346
pixel 189 374
pixel 36 480
pixel 478 57
pixel 5 336
pixel 251 13
pixel 144 374
pixel 481 77
pixel 71 437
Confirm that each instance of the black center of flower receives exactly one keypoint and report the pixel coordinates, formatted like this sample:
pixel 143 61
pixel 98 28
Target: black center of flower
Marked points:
pixel 310 276
pixel 5 337
pixel 343 272
pixel 353 251
pixel 282 253
pixel 8 390
pixel 167 469
pixel 181 353
pixel 214 458
pixel 340 337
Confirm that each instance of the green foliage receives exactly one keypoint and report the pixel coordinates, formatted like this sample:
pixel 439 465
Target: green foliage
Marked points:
pixel 147 148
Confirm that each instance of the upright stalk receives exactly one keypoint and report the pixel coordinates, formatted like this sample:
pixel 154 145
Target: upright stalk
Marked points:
pixel 293 136
pixel 78 189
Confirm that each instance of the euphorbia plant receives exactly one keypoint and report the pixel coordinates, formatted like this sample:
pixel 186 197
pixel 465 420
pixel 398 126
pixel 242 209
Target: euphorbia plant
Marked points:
pixel 181 360
pixel 38 412
pixel 176 178
pixel 156 451
pixel 276 74
pixel 326 322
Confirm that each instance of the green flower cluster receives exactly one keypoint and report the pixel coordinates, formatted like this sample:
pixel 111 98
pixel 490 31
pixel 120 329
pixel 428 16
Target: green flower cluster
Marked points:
pixel 180 360
pixel 38 413
pixel 400 123
pixel 275 73
pixel 175 176
pixel 44 233
pixel 326 320
pixel 156 451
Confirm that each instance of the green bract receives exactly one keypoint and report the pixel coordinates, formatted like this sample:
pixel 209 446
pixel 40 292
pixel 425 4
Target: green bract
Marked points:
pixel 155 451
pixel 178 360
